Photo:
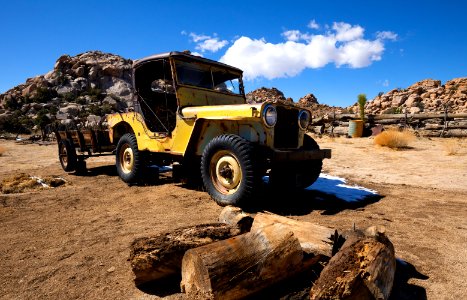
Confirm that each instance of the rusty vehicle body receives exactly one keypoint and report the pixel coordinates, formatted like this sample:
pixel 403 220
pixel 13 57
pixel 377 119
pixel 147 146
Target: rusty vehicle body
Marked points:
pixel 191 113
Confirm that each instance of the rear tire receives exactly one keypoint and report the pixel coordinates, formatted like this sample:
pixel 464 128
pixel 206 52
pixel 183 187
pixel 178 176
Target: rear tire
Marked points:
pixel 228 170
pixel 67 156
pixel 129 160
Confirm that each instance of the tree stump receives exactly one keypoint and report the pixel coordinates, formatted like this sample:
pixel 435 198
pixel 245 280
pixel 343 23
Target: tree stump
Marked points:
pixel 161 255
pixel 362 269
pixel 242 265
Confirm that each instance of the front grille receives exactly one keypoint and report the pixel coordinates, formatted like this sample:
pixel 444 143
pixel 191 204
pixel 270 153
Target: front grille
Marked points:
pixel 286 129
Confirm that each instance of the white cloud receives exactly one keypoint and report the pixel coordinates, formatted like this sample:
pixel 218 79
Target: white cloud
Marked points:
pixel 386 83
pixel 295 35
pixel 343 45
pixel 386 35
pixel 313 24
pixel 291 35
pixel 207 43
pixel 346 32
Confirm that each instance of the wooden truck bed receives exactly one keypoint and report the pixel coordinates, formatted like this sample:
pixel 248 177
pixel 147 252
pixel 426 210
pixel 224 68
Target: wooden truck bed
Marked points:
pixel 87 142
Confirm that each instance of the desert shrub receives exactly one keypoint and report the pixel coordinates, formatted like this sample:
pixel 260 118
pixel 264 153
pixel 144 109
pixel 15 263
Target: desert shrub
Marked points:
pixel 394 138
pixel 12 104
pixel 18 123
pixel 69 97
pixel 95 94
pixel 43 95
pixel 81 100
pixel 100 110
pixel 2 150
pixel 451 146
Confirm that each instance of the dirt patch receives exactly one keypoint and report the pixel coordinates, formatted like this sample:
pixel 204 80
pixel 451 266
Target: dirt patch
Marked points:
pixel 73 242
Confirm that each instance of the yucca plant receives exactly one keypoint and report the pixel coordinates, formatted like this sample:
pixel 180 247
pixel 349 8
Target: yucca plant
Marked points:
pixel 361 104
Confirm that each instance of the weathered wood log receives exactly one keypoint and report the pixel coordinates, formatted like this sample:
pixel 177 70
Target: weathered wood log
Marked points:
pixel 443 133
pixel 161 255
pixel 314 239
pixel 417 116
pixel 340 130
pixel 451 125
pixel 235 216
pixel 362 269
pixel 242 265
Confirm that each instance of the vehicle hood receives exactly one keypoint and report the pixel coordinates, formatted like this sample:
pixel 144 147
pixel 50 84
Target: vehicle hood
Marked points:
pixel 223 111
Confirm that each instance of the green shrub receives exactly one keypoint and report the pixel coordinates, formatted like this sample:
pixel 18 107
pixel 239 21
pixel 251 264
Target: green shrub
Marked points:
pixel 43 95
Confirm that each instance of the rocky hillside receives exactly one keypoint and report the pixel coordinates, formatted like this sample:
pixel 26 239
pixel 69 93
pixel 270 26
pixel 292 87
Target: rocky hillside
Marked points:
pixel 426 96
pixel 80 88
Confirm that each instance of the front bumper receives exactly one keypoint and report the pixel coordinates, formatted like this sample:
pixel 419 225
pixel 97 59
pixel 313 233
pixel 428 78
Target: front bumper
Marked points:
pixel 300 155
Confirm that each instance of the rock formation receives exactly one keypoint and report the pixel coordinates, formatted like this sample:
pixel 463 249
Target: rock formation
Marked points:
pixel 79 89
pixel 426 96
pixel 263 94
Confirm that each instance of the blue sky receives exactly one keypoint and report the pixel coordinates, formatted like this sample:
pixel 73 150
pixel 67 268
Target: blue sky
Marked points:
pixel 333 49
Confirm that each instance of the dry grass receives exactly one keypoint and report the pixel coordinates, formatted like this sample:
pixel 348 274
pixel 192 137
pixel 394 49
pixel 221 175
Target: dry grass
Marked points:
pixel 23 182
pixel 395 139
pixel 17 183
pixel 452 146
pixel 2 150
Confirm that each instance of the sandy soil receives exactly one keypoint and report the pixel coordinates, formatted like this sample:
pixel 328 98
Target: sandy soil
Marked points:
pixel 73 241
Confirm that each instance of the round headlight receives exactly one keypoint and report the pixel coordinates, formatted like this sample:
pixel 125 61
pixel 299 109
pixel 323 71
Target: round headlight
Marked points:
pixel 270 115
pixel 304 118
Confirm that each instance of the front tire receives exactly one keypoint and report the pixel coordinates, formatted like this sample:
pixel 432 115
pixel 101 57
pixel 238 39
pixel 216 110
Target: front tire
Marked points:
pixel 228 170
pixel 129 161
pixel 297 175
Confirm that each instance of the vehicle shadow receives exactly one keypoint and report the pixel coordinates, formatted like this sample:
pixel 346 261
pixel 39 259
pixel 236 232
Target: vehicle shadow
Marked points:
pixel 108 170
pixel 328 195
pixel 303 202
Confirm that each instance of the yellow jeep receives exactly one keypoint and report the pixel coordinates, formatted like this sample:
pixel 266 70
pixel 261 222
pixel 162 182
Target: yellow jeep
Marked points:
pixel 191 112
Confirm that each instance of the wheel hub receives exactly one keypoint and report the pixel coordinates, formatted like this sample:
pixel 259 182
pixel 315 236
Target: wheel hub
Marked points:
pixel 226 172
pixel 126 159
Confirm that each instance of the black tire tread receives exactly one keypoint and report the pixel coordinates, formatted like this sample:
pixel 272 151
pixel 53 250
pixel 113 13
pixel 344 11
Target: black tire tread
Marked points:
pixel 135 176
pixel 72 159
pixel 244 152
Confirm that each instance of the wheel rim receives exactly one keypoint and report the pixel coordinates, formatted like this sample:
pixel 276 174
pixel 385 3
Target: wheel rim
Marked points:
pixel 63 155
pixel 127 160
pixel 226 172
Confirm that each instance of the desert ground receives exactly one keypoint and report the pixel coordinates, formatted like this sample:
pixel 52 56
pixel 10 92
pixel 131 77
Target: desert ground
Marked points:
pixel 72 241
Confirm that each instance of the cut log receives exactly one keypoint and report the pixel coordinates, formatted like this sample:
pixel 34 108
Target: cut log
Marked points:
pixel 161 255
pixel 339 130
pixel 362 269
pixel 235 216
pixel 314 239
pixel 242 265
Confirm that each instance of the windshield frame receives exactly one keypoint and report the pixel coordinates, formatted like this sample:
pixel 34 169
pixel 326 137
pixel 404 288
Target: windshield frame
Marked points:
pixel 211 68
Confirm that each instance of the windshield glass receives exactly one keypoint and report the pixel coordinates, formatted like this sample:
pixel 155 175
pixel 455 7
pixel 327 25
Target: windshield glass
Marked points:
pixel 208 77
